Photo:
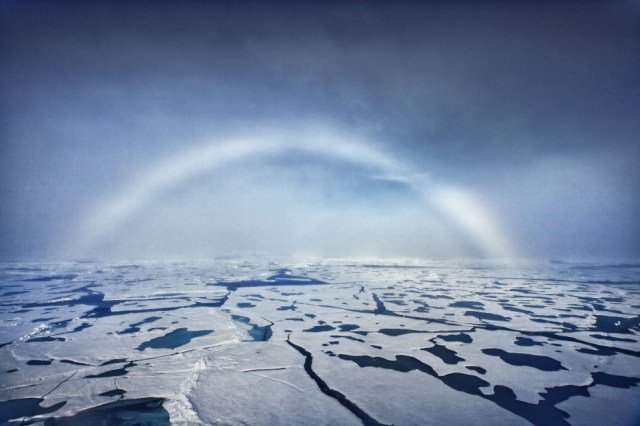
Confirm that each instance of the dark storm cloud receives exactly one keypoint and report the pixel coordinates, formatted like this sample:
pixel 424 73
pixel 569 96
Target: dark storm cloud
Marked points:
pixel 498 96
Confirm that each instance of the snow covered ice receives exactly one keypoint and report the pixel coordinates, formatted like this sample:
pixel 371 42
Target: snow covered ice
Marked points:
pixel 258 342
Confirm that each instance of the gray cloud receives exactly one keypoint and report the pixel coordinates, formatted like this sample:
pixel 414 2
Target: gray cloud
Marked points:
pixel 533 105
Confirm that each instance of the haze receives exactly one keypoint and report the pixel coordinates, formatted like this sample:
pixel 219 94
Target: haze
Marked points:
pixel 403 129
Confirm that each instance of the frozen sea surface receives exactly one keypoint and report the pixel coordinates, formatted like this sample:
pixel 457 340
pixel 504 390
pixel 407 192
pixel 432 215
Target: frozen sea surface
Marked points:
pixel 320 342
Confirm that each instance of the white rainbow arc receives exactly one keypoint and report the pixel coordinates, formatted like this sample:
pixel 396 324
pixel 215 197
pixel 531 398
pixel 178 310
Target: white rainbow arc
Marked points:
pixel 461 206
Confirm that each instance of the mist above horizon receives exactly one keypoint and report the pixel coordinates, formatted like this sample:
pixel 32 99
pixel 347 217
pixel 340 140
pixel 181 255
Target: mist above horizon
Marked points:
pixel 346 129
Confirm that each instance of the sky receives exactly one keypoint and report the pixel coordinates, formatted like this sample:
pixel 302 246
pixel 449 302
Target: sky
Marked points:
pixel 435 129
